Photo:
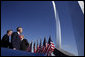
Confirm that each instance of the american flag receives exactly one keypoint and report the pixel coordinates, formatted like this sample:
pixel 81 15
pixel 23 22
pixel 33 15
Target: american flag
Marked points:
pixel 34 48
pixel 44 49
pixel 37 47
pixel 40 46
pixel 51 47
pixel 31 46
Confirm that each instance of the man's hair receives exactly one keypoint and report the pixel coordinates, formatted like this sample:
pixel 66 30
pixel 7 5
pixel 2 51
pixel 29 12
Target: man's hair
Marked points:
pixel 18 28
pixel 9 30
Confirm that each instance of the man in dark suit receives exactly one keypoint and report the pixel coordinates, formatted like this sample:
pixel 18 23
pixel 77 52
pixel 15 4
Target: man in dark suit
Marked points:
pixel 5 40
pixel 24 45
pixel 16 39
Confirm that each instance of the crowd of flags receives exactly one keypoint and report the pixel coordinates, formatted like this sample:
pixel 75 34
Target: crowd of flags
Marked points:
pixel 46 47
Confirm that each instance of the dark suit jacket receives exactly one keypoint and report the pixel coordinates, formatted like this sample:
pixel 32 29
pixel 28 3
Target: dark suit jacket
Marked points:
pixel 5 41
pixel 16 42
pixel 24 44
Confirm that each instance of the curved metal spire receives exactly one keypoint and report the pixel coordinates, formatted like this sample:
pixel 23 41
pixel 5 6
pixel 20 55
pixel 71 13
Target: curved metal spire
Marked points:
pixel 58 28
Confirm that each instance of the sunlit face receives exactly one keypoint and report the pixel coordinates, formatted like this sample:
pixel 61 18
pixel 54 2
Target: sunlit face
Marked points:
pixel 21 30
pixel 10 33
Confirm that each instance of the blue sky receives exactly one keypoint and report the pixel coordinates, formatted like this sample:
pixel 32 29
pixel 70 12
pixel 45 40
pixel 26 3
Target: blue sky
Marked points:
pixel 37 20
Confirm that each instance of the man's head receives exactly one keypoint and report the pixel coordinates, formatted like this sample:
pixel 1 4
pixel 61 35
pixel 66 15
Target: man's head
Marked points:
pixel 19 29
pixel 9 32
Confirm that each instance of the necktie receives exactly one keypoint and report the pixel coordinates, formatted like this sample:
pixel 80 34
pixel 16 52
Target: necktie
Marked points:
pixel 20 37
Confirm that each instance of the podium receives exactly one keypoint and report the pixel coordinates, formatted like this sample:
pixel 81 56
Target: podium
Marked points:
pixel 10 52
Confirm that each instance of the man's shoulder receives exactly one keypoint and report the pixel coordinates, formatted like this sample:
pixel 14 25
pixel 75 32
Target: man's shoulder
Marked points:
pixel 5 35
pixel 14 33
